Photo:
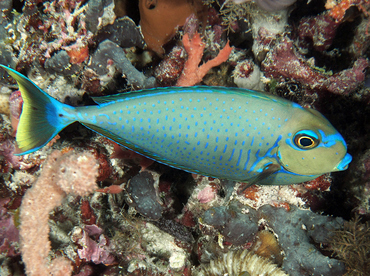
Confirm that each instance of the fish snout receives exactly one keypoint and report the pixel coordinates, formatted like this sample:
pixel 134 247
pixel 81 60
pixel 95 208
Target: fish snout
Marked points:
pixel 343 164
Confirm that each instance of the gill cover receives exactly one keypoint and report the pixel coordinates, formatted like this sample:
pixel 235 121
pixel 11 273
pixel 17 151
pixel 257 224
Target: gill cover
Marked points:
pixel 313 146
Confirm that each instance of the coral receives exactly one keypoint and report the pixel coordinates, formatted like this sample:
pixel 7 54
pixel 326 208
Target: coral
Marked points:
pixel 123 32
pixel 236 227
pixel 15 102
pixel 57 27
pixel 9 233
pixel 173 258
pixel 4 104
pixel 239 263
pixel 193 73
pixel 62 174
pixel 60 63
pixel 78 53
pixel 206 195
pixel 231 12
pixel 109 50
pixel 320 30
pixel 94 12
pixel 338 9
pixel 175 229
pixel 361 39
pixel 247 75
pixel 267 246
pixel 169 69
pixel 360 182
pixel 283 61
pixel 159 221
pixel 96 251
pixel 295 230
pixel 352 246
pixel 7 150
pixel 143 195
pixel 87 213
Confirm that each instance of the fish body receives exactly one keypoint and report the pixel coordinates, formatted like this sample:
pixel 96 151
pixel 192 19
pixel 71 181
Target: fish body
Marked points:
pixel 227 133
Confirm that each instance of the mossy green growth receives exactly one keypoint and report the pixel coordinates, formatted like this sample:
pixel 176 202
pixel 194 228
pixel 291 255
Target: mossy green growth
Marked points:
pixel 352 246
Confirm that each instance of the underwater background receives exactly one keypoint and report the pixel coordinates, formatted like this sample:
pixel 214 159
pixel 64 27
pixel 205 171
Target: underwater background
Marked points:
pixel 83 205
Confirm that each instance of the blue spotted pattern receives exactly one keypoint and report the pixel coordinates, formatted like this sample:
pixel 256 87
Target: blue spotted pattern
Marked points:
pixel 229 133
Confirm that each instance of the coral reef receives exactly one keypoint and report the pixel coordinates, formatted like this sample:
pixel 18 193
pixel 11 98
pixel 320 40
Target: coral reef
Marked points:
pixel 292 227
pixel 93 208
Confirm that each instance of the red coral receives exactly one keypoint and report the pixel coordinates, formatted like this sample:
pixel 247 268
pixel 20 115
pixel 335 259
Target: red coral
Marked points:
pixel 129 155
pixel 284 205
pixel 320 29
pixel 87 213
pixel 188 219
pixel 105 169
pixel 251 192
pixel 170 68
pixel 78 53
pixel 321 183
pixel 337 11
pixel 193 73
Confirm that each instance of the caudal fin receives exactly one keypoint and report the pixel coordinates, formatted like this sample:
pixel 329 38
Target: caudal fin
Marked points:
pixel 42 116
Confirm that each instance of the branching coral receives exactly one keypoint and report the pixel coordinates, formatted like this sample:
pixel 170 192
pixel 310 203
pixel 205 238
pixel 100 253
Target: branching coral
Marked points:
pixel 352 246
pixel 192 74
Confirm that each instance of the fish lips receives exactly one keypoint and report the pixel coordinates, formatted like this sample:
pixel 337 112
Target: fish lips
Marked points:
pixel 343 164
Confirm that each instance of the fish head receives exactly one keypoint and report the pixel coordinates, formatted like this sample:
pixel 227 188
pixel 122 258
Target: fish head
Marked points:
pixel 311 145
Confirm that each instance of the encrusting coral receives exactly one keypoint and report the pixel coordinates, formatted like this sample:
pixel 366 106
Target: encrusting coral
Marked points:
pixel 70 173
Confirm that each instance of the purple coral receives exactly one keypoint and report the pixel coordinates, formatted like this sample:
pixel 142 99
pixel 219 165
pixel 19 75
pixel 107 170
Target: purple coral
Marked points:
pixel 97 250
pixel 9 234
pixel 284 61
pixel 319 30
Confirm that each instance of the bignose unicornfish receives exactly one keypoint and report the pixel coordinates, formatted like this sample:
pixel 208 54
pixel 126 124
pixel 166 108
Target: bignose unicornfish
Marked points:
pixel 227 133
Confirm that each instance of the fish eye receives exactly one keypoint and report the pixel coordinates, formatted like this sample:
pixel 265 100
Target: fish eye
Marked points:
pixel 306 141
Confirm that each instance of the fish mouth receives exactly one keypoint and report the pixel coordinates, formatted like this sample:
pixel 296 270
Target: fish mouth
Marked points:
pixel 343 164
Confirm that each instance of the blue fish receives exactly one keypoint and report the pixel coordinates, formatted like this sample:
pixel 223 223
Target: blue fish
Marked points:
pixel 227 133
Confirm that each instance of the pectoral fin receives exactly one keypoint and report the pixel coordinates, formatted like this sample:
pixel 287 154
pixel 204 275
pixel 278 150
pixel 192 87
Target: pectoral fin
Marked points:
pixel 268 170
